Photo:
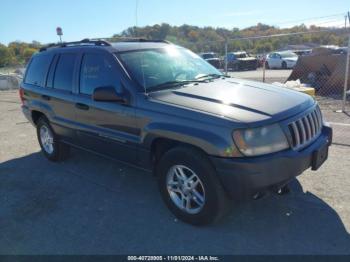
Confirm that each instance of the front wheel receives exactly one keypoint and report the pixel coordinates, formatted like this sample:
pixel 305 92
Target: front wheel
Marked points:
pixel 284 65
pixel 190 188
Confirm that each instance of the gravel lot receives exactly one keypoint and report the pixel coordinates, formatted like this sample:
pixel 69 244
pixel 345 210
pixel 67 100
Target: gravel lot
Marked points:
pixel 90 205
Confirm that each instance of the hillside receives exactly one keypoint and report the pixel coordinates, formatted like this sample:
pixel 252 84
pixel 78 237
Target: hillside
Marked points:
pixel 200 39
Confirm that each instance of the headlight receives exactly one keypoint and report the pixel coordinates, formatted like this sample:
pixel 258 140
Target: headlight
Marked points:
pixel 260 141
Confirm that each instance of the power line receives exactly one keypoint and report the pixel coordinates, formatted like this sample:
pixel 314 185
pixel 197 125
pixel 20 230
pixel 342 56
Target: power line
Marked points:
pixel 290 34
pixel 308 19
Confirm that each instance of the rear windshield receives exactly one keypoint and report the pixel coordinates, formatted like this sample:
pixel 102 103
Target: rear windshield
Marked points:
pixel 37 70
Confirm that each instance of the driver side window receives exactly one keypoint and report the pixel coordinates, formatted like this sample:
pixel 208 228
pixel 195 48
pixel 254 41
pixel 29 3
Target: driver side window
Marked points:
pixel 97 71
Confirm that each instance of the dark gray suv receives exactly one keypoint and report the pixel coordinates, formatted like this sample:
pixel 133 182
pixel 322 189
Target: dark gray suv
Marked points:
pixel 208 138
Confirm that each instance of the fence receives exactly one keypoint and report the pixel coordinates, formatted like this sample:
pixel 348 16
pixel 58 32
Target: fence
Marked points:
pixel 10 77
pixel 321 66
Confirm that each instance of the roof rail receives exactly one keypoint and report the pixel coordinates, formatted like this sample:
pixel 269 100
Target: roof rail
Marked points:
pixel 144 40
pixel 85 41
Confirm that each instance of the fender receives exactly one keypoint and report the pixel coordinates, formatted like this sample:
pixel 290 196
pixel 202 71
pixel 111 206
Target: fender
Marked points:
pixel 209 142
pixel 37 105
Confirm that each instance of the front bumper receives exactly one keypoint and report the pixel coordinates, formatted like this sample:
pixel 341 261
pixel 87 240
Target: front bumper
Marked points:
pixel 244 177
pixel 291 64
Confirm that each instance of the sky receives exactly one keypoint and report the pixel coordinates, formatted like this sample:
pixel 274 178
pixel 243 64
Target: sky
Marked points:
pixel 28 20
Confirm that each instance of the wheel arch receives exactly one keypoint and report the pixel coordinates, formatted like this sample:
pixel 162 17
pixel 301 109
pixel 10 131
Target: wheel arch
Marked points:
pixel 161 145
pixel 160 137
pixel 36 115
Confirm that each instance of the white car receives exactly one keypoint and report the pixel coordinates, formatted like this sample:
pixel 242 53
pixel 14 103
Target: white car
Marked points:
pixel 282 60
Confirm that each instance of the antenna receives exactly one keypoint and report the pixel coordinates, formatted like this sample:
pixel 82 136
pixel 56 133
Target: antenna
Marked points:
pixel 136 12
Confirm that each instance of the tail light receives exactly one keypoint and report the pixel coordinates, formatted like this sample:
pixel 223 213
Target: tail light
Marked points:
pixel 21 95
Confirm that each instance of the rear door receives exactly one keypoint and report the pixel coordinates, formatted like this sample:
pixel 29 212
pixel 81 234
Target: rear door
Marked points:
pixel 61 82
pixel 105 127
pixel 34 83
pixel 279 61
pixel 272 60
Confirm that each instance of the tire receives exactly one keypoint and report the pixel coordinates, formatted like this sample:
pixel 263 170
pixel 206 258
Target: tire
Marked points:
pixel 51 147
pixel 267 66
pixel 284 65
pixel 215 202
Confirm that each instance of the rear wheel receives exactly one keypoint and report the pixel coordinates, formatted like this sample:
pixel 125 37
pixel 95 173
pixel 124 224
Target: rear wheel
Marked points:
pixel 190 188
pixel 284 65
pixel 51 147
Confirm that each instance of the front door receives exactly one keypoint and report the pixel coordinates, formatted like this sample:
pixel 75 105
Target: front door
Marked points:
pixel 104 127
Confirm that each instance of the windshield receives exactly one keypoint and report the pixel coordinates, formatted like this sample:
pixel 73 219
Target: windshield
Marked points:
pixel 288 54
pixel 152 68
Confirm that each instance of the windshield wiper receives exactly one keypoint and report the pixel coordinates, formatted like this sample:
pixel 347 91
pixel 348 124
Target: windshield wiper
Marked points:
pixel 210 76
pixel 173 83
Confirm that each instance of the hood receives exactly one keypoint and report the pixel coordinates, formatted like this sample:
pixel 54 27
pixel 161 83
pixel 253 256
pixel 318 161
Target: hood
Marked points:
pixel 247 59
pixel 238 100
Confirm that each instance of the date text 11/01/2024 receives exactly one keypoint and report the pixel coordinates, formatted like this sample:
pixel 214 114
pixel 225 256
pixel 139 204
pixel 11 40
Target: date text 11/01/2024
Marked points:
pixel 173 258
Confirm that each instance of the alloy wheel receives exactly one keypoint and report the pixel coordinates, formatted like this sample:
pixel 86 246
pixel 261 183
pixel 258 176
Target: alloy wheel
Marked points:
pixel 46 139
pixel 185 188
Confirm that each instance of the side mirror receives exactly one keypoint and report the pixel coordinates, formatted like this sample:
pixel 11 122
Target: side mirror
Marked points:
pixel 108 94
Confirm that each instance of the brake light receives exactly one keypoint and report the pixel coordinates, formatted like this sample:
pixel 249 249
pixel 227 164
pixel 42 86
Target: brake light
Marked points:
pixel 21 95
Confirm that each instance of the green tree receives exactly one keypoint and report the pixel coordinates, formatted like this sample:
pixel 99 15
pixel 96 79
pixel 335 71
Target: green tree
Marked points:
pixel 27 53
pixel 6 56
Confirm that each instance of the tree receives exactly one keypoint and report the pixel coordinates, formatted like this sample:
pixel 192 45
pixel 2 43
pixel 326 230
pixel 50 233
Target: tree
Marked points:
pixel 27 53
pixel 6 56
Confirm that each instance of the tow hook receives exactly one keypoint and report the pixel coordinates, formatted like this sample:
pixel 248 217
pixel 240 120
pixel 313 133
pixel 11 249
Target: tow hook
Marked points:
pixel 259 195
pixel 282 190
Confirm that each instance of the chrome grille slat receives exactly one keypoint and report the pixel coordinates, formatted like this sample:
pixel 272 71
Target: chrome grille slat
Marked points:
pixel 314 122
pixel 306 129
pixel 296 134
pixel 312 125
pixel 303 134
pixel 319 114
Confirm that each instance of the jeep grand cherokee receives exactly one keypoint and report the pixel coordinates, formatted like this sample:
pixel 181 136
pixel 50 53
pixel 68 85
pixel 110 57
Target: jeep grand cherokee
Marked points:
pixel 208 138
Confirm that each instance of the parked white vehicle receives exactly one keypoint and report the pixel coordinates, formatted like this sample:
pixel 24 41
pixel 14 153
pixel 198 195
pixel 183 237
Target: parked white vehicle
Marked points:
pixel 282 60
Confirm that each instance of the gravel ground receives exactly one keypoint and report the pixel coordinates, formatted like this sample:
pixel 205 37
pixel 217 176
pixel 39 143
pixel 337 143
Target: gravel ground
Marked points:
pixel 90 205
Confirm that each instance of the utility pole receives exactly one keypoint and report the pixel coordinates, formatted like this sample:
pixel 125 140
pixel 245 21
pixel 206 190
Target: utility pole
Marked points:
pixel 346 20
pixel 225 58
pixel 347 69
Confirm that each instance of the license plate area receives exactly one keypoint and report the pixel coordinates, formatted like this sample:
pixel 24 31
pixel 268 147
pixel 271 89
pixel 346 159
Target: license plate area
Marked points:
pixel 319 157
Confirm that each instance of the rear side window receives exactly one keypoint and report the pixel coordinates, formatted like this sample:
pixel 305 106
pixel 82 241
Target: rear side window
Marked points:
pixel 63 79
pixel 37 70
pixel 97 71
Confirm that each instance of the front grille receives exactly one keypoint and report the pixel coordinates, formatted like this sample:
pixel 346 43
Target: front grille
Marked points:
pixel 306 129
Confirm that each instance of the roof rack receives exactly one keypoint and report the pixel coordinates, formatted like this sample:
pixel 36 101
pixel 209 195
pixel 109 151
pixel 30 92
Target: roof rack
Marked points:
pixel 86 41
pixel 144 40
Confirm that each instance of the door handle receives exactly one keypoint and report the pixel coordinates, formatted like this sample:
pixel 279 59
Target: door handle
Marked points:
pixel 45 97
pixel 82 106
